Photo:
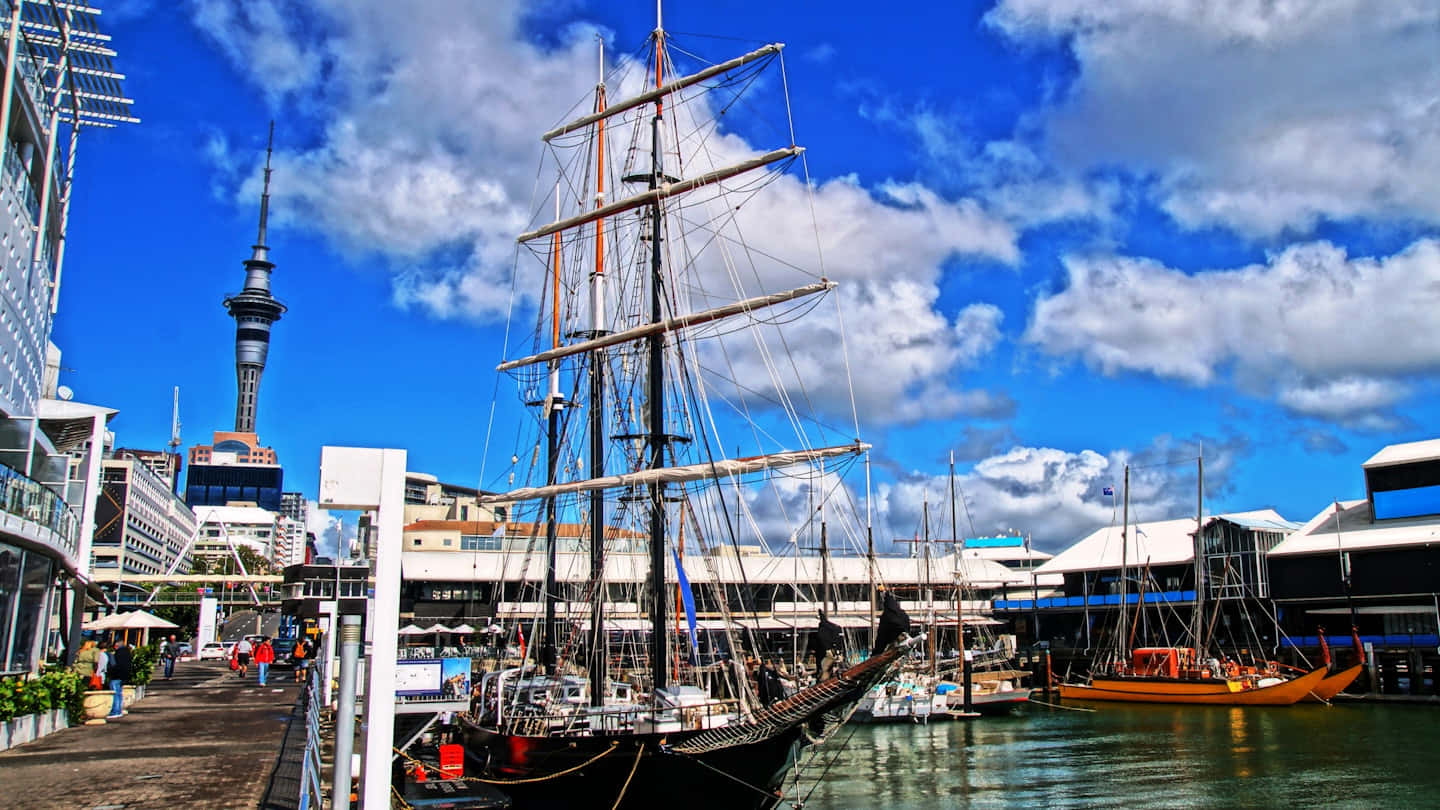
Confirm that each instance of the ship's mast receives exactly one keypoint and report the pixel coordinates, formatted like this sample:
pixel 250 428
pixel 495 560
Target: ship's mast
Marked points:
pixel 1124 561
pixel 554 403
pixel 959 569
pixel 596 664
pixel 656 392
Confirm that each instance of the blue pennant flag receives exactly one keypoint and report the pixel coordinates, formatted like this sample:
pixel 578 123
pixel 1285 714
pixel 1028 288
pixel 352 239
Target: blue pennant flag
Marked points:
pixel 689 600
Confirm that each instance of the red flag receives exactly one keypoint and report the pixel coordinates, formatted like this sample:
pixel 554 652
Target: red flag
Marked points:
pixel 520 630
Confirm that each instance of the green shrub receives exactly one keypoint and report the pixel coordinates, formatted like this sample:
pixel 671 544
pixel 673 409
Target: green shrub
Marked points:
pixel 20 696
pixel 142 663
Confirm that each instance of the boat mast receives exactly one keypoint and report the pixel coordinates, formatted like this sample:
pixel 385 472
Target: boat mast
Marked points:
pixel 656 392
pixel 959 548
pixel 554 403
pixel 1124 564
pixel 1197 622
pixel 929 589
pixel 870 547
pixel 596 665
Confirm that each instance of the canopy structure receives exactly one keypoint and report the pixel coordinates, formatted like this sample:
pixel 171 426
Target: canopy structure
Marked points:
pixel 133 620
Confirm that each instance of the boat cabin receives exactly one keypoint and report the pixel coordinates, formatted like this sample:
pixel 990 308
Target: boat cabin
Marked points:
pixel 1161 662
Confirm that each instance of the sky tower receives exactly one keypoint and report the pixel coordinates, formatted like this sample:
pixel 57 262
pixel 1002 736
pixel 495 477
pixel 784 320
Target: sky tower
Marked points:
pixel 254 310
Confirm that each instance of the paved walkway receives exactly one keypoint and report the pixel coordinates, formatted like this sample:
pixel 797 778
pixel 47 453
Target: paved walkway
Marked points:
pixel 204 739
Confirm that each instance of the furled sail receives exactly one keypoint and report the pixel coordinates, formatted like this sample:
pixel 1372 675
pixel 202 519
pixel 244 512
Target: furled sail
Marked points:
pixel 669 325
pixel 663 90
pixel 662 192
pixel 679 475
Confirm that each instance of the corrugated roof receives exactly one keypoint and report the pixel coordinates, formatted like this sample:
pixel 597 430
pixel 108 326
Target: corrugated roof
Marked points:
pixel 1428 450
pixel 1356 530
pixel 1163 542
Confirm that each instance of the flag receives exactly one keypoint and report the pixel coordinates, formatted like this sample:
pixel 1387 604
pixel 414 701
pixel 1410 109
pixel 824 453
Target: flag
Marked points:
pixel 1108 490
pixel 520 631
pixel 689 600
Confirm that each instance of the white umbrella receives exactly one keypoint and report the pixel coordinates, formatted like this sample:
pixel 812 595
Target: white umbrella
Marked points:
pixel 134 620
pixel 464 628
pixel 494 628
pixel 437 628
pixel 412 630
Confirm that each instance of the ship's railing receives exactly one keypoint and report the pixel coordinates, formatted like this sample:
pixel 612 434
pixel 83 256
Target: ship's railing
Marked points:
pixel 621 718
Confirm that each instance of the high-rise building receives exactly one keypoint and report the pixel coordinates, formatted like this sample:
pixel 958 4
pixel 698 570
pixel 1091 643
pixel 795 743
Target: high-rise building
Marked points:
pixel 289 543
pixel 235 469
pixel 141 526
pixel 162 463
pixel 294 505
pixel 58 80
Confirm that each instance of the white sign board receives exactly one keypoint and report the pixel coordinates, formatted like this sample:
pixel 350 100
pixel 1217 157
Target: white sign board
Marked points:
pixel 418 677
pixel 205 633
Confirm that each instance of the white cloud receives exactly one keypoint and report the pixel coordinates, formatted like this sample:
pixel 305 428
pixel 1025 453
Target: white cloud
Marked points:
pixel 427 157
pixel 1324 334
pixel 1254 115
pixel 1055 496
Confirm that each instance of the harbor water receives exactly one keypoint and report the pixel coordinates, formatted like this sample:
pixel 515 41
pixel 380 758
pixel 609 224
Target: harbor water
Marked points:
pixel 1347 755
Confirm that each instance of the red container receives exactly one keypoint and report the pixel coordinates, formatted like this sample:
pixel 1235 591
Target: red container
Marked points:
pixel 452 761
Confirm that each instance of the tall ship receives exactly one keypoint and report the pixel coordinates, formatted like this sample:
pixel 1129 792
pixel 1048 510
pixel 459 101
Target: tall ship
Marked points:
pixel 664 288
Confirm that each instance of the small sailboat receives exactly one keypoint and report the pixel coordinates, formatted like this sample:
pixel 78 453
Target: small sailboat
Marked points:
pixel 651 707
pixel 1182 674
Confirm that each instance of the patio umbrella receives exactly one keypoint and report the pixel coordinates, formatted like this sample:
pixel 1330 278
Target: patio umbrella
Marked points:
pixel 437 628
pixel 134 620
pixel 412 630
pixel 494 629
pixel 463 629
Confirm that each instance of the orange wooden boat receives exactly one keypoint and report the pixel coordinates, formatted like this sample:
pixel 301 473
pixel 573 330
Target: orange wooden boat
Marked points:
pixel 1170 675
pixel 1334 684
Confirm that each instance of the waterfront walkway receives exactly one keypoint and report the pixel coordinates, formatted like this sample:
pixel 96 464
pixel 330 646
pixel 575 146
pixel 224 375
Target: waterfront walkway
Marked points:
pixel 203 739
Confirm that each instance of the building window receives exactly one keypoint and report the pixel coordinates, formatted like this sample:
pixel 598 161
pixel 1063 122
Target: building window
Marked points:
pixel 449 542
pixel 415 542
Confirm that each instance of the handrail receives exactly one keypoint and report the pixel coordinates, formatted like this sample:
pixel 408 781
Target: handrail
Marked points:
pixel 27 498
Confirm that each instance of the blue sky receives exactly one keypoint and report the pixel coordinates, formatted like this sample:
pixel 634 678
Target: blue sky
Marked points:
pixel 1116 232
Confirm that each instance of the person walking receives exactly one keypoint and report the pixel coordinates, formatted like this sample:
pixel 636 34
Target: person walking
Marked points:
pixel 264 657
pixel 122 663
pixel 301 656
pixel 242 656
pixel 169 651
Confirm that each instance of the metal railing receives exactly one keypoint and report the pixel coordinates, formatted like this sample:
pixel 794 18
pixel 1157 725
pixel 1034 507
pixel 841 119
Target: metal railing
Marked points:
pixel 29 499
pixel 311 794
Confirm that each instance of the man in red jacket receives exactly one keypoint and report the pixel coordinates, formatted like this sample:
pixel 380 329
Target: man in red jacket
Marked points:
pixel 264 657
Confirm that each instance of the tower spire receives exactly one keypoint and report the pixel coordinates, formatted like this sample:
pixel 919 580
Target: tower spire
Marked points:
pixel 254 310
pixel 265 194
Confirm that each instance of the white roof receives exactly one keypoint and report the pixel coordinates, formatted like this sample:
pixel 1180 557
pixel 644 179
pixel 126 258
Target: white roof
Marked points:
pixel 1428 450
pixel 1161 542
pixel 466 566
pixel 232 515
pixel 1357 531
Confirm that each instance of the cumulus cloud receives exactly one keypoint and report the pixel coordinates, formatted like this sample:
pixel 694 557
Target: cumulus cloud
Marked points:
pixel 432 167
pixel 1257 116
pixel 1322 333
pixel 1057 496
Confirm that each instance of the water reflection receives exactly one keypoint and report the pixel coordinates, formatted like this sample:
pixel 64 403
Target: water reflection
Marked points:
pixel 1144 756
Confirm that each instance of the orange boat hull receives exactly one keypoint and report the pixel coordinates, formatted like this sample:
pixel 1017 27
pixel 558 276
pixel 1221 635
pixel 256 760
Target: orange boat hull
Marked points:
pixel 1217 692
pixel 1334 685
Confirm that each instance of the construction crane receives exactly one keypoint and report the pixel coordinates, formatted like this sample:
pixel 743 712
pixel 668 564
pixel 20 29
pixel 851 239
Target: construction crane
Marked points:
pixel 175 424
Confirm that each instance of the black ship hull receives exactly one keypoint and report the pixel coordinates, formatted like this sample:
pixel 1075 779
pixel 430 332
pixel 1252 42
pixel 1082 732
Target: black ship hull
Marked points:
pixel 735 778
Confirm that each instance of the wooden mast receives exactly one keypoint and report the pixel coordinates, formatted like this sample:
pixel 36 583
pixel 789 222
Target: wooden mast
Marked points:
pixel 554 403
pixel 596 648
pixel 655 394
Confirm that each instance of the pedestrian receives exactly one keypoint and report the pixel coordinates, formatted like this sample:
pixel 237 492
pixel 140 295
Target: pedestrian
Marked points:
pixel 242 656
pixel 85 662
pixel 264 657
pixel 301 656
pixel 169 651
pixel 119 671
pixel 102 664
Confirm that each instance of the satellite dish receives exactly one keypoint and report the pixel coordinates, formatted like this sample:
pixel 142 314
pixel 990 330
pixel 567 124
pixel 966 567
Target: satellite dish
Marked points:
pixel 64 392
